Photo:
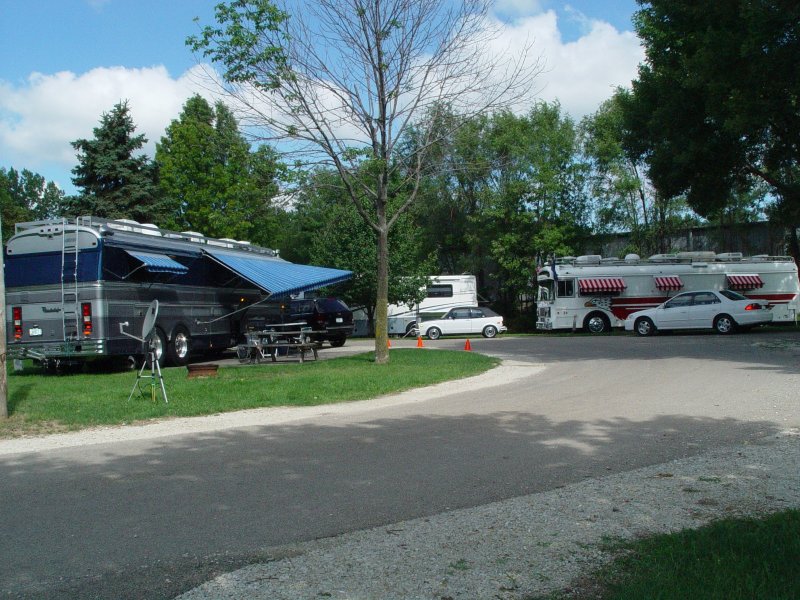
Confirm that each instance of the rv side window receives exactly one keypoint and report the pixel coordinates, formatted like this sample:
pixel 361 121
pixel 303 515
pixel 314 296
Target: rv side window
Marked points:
pixel 438 290
pixel 566 288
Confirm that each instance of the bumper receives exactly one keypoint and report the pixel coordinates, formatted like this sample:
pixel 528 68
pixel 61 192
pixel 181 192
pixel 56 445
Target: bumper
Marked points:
pixel 339 330
pixel 760 317
pixel 84 349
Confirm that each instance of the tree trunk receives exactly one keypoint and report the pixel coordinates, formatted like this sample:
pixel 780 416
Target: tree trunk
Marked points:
pixel 382 297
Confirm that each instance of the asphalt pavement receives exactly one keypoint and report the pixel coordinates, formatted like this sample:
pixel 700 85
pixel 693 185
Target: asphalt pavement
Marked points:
pixel 151 512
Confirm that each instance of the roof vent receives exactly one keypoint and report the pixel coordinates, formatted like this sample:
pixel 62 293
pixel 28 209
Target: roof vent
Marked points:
pixel 588 259
pixel 149 229
pixel 663 257
pixel 122 224
pixel 697 255
pixel 730 256
pixel 193 236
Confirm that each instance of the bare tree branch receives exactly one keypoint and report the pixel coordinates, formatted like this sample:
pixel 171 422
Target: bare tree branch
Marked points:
pixel 342 82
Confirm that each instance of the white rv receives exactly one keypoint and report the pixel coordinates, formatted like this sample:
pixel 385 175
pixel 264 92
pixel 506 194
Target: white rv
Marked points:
pixel 595 293
pixel 442 292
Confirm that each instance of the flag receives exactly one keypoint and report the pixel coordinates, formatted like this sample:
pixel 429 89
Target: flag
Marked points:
pixel 553 268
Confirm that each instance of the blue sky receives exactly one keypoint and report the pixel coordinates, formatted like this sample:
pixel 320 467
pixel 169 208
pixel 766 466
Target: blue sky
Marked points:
pixel 64 62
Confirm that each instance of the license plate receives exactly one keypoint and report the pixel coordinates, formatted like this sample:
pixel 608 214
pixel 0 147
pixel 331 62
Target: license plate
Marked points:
pixel 34 331
pixel 339 320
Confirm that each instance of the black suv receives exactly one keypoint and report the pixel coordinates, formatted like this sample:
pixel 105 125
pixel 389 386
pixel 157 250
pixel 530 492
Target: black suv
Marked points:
pixel 330 319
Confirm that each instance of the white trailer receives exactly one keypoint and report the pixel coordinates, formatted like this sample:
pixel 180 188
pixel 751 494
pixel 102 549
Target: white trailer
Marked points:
pixel 593 293
pixel 442 292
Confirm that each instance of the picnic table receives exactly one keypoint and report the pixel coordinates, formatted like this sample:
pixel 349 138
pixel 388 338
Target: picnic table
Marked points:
pixel 277 339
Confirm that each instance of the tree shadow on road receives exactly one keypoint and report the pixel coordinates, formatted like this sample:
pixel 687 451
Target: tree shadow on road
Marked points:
pixel 152 519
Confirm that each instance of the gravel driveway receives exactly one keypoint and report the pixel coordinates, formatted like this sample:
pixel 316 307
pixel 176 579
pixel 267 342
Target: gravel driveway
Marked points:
pixel 528 545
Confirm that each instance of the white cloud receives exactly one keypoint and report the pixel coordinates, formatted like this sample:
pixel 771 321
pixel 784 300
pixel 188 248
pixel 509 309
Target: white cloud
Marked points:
pixel 579 74
pixel 39 119
pixel 517 7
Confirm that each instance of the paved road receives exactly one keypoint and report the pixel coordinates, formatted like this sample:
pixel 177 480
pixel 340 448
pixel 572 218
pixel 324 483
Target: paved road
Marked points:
pixel 152 518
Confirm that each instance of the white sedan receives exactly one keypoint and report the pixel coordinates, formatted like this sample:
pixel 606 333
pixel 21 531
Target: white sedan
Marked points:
pixel 464 320
pixel 722 311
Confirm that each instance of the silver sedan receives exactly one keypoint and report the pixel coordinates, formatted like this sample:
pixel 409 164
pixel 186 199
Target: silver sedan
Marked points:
pixel 723 311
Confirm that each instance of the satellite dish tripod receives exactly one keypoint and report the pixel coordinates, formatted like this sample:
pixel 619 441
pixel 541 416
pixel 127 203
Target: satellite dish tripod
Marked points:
pixel 149 340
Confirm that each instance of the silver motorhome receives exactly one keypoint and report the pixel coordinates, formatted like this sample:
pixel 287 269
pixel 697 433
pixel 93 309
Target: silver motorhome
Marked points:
pixel 71 283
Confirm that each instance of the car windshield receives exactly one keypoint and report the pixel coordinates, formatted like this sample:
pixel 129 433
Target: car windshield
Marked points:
pixel 331 305
pixel 731 295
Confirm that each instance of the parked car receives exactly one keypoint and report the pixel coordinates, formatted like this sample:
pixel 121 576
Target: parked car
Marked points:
pixel 464 320
pixel 329 318
pixel 723 311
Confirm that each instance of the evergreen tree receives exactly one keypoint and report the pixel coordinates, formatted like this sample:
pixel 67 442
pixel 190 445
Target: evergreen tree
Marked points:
pixel 212 180
pixel 114 182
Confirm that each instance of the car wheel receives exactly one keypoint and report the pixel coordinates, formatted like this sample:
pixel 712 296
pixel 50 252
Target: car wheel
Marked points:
pixel 597 323
pixel 338 342
pixel 644 327
pixel 179 348
pixel 434 333
pixel 724 324
pixel 489 331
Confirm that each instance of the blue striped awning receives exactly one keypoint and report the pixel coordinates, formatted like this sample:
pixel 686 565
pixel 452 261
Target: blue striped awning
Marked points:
pixel 158 263
pixel 276 276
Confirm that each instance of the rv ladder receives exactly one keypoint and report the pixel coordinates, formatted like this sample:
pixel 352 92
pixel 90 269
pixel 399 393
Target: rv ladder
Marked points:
pixel 69 280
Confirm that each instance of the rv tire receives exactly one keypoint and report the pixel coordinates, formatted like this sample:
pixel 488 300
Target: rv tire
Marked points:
pixel 160 341
pixel 179 348
pixel 597 322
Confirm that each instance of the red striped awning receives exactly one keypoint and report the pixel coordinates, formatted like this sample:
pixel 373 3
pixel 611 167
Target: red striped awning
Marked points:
pixel 667 283
pixel 602 285
pixel 745 282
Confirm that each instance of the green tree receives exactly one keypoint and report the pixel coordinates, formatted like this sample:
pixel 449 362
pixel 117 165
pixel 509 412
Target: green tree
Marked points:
pixel 114 182
pixel 27 196
pixel 456 171
pixel 333 235
pixel 212 180
pixel 625 199
pixel 502 192
pixel 346 79
pixel 538 203
pixel 715 105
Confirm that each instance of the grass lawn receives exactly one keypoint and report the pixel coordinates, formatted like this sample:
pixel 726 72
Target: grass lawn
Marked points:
pixel 40 403
pixel 732 559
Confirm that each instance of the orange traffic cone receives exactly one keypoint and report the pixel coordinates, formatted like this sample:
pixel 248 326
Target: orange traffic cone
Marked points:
pixel 419 342
pixel 468 346
pixel 388 343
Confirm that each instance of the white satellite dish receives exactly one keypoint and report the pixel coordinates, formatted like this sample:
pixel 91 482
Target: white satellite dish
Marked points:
pixel 149 339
